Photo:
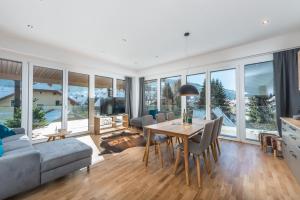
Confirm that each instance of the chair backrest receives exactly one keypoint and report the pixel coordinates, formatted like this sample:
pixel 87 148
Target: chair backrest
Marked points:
pixel 147 120
pixel 220 125
pixel 170 116
pixel 160 117
pixel 215 130
pixel 206 135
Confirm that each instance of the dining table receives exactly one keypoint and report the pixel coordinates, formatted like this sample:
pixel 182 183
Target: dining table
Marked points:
pixel 176 128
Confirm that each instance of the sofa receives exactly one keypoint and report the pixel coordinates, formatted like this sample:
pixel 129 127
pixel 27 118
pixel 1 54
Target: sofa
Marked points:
pixel 24 166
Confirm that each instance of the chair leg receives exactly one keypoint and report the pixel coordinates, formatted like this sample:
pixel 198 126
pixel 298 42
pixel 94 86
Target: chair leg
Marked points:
pixel 160 156
pixel 144 154
pixel 207 166
pixel 88 169
pixel 172 148
pixel 177 160
pixel 208 154
pixel 198 170
pixel 213 150
pixel 218 145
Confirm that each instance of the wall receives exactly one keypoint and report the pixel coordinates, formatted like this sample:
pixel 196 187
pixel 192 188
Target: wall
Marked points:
pixel 250 50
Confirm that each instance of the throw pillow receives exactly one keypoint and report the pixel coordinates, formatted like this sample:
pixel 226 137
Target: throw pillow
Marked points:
pixel 1 150
pixel 5 132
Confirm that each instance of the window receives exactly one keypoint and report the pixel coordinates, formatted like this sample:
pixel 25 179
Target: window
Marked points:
pixel 259 98
pixel 10 93
pixel 169 99
pixel 103 94
pixel 78 102
pixel 196 104
pixel 47 91
pixel 150 96
pixel 120 88
pixel 223 99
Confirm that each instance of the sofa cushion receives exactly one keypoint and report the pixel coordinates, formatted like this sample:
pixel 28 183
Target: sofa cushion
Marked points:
pixel 16 144
pixel 18 151
pixel 5 132
pixel 15 137
pixel 61 152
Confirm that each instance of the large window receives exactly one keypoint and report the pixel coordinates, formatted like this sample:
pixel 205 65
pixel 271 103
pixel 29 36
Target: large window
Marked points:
pixel 120 88
pixel 47 100
pixel 259 99
pixel 223 99
pixel 169 98
pixel 103 93
pixel 78 102
pixel 10 93
pixel 196 104
pixel 150 96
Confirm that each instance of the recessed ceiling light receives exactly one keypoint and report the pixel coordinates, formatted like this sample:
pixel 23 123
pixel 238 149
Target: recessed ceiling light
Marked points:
pixel 135 62
pixel 124 40
pixel 265 22
pixel 30 26
pixel 156 56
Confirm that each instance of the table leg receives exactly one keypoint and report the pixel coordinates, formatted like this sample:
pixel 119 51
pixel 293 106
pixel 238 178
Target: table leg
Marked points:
pixel 186 159
pixel 148 146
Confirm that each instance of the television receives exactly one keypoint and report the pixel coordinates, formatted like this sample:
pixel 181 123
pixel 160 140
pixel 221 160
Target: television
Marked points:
pixel 112 105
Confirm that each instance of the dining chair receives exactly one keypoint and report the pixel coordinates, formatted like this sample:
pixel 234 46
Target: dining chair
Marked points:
pixel 214 137
pixel 170 116
pixel 156 139
pixel 219 132
pixel 198 149
pixel 160 117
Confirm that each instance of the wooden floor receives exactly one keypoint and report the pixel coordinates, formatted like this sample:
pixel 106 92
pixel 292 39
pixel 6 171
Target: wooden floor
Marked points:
pixel 243 172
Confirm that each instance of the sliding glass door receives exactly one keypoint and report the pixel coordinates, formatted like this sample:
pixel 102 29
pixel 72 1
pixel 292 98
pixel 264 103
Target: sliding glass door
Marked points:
pixel 259 99
pixel 10 93
pixel 103 95
pixel 78 102
pixel 197 104
pixel 223 102
pixel 170 101
pixel 47 101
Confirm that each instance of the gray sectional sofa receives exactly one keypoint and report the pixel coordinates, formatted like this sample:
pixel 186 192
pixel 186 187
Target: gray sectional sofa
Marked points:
pixel 24 166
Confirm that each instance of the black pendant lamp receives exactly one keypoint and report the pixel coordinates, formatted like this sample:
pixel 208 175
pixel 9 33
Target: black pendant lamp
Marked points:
pixel 187 89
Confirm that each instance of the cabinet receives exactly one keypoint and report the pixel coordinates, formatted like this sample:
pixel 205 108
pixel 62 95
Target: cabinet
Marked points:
pixel 291 144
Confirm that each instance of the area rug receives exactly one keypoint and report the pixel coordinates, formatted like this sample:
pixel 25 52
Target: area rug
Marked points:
pixel 119 141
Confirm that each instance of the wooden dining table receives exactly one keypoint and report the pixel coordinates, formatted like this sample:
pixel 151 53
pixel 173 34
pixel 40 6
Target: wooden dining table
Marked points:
pixel 177 129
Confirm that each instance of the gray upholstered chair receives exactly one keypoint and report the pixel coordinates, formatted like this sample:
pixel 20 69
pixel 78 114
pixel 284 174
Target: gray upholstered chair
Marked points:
pixel 156 139
pixel 198 149
pixel 219 132
pixel 170 116
pixel 160 117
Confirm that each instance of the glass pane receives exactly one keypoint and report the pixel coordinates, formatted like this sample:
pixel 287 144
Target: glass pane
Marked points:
pixel 120 88
pixel 169 98
pixel 223 99
pixel 47 99
pixel 103 93
pixel 10 93
pixel 196 104
pixel 78 106
pixel 150 96
pixel 259 99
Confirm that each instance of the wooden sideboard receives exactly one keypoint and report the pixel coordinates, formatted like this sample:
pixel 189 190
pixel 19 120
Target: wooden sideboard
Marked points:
pixel 291 144
pixel 105 124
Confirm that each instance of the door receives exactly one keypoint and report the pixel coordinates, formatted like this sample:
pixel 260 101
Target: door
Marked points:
pixel 223 100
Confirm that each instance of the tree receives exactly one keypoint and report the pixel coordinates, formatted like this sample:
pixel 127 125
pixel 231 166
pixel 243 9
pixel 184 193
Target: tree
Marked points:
pixel 16 121
pixel 168 94
pixel 218 96
pixel 260 109
pixel 39 119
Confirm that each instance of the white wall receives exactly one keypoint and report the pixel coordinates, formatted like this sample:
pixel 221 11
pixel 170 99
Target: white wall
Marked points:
pixel 254 49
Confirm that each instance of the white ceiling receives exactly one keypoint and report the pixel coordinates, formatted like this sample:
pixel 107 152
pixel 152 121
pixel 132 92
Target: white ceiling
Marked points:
pixel 153 29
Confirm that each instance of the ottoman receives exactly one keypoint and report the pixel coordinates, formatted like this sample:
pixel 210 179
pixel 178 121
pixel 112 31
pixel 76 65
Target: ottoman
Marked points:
pixel 61 157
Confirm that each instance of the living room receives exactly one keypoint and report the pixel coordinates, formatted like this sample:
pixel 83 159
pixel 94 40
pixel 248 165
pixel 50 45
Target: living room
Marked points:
pixel 149 100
